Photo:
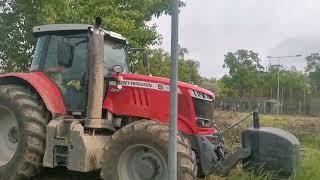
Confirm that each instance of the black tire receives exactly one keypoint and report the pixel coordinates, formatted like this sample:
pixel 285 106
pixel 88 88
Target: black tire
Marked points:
pixel 153 135
pixel 31 117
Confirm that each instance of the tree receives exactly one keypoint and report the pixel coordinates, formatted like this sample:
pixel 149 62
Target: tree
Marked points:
pixel 313 68
pixel 313 62
pixel 160 63
pixel 129 18
pixel 244 71
pixel 242 60
pixel 226 87
pixel 210 84
pixel 182 51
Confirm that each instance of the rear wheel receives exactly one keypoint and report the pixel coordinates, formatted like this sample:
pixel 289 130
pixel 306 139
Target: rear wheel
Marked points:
pixel 22 133
pixel 139 151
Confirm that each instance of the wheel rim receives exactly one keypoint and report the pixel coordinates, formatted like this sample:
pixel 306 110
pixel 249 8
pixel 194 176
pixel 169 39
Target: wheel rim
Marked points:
pixel 142 162
pixel 9 135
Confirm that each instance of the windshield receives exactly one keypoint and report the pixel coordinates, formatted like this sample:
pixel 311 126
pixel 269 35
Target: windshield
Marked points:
pixel 38 53
pixel 115 54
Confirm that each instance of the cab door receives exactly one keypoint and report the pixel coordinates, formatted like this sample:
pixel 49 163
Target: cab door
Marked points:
pixel 66 65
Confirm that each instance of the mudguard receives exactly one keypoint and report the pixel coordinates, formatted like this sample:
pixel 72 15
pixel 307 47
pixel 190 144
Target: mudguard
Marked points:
pixel 46 89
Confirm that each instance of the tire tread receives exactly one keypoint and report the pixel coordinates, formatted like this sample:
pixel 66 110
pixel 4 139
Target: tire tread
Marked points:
pixel 32 111
pixel 186 157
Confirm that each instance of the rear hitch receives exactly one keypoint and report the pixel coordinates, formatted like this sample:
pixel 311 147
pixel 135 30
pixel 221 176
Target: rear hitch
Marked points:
pixel 232 160
pixel 241 153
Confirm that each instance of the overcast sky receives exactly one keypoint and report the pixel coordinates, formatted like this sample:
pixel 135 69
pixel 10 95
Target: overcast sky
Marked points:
pixel 210 28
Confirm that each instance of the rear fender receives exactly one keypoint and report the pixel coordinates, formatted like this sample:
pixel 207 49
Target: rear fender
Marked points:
pixel 46 89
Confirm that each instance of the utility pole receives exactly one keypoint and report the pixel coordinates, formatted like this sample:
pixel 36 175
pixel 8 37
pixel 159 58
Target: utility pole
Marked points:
pixel 278 91
pixel 172 155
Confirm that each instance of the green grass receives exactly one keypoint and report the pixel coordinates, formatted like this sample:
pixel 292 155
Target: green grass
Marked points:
pixel 310 161
pixel 310 166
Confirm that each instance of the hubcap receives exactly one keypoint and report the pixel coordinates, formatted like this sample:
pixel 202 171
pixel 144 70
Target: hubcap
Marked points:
pixel 142 162
pixel 9 135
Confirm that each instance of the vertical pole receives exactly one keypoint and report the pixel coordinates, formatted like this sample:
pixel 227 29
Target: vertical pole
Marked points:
pixel 256 119
pixel 291 95
pixel 299 106
pixel 281 100
pixel 269 63
pixel 96 77
pixel 278 92
pixel 304 94
pixel 172 157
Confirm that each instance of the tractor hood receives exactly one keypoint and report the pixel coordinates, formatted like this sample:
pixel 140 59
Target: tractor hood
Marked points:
pixel 160 83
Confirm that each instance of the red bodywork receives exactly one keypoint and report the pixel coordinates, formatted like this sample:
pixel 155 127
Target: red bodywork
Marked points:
pixel 148 99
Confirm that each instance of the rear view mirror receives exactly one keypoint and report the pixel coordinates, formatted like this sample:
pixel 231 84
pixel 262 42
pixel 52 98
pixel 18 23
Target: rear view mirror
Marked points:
pixel 65 54
pixel 145 59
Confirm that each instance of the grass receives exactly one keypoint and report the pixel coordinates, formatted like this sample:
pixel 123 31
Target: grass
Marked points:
pixel 306 129
pixel 310 166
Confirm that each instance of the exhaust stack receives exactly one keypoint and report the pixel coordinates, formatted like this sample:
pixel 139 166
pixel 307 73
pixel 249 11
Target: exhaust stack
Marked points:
pixel 96 77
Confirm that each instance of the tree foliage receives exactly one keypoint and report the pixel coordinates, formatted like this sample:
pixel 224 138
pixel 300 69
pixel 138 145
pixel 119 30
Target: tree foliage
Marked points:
pixel 313 62
pixel 210 84
pixel 160 63
pixel 246 73
pixel 17 18
pixel 130 18
pixel 313 68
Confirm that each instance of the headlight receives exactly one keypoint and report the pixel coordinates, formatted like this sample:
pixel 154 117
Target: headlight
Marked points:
pixel 200 95
pixel 204 123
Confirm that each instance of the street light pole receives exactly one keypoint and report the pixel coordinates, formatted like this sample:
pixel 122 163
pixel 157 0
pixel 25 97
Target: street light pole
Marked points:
pixel 278 90
pixel 172 149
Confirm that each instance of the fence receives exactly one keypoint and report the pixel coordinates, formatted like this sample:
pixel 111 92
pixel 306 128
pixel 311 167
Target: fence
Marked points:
pixel 291 101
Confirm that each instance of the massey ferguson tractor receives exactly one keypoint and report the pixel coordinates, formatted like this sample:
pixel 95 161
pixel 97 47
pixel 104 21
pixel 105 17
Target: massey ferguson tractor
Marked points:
pixel 81 108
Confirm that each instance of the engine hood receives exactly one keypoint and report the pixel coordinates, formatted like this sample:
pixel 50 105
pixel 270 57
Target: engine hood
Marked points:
pixel 165 81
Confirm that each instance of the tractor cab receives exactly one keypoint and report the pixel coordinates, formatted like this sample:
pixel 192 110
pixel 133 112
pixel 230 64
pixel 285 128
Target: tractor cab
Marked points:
pixel 62 55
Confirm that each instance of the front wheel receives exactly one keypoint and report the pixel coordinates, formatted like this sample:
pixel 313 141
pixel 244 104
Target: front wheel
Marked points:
pixel 139 151
pixel 22 133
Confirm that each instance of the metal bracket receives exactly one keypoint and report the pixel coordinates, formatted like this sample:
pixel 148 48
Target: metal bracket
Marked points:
pixel 227 164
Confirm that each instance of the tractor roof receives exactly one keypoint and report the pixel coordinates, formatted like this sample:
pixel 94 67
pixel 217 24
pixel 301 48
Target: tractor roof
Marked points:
pixel 73 27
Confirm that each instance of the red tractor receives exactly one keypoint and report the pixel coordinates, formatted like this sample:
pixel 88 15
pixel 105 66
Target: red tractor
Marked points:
pixel 81 108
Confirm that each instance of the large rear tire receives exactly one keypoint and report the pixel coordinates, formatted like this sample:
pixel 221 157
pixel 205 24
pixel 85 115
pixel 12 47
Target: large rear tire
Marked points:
pixel 139 151
pixel 23 121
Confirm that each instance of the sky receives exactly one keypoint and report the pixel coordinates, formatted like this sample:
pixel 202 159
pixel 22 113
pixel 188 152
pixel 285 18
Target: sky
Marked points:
pixel 211 28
